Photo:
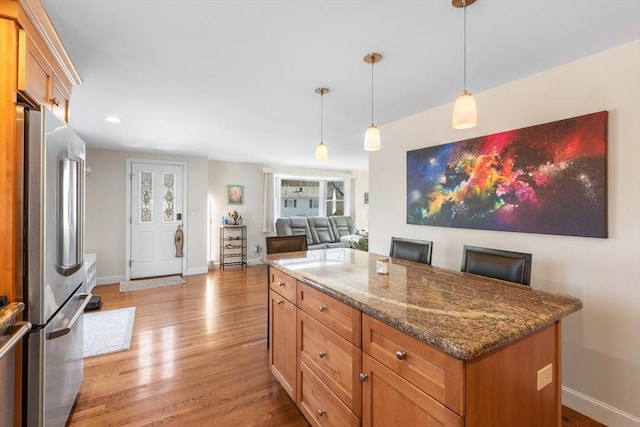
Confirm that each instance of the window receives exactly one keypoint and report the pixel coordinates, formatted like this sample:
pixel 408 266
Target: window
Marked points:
pixel 310 197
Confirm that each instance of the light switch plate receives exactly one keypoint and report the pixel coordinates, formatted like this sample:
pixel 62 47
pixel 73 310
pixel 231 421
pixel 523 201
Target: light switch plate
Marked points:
pixel 545 376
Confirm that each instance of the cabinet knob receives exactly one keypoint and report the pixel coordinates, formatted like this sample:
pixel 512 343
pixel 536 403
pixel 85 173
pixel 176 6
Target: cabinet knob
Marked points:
pixel 401 355
pixel 363 377
pixel 281 283
pixel 55 102
pixel 322 308
pixel 322 354
pixel 279 301
pixel 321 412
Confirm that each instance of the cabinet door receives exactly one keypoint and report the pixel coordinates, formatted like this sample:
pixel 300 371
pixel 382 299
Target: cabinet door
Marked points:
pixel 390 400
pixel 35 78
pixel 282 335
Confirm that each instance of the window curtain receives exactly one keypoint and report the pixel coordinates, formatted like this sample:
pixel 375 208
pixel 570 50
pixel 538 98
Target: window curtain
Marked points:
pixel 268 219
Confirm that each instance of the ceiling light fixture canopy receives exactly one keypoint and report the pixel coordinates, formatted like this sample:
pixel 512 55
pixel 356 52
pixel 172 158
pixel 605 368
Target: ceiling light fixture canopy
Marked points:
pixel 465 113
pixel 372 135
pixel 322 154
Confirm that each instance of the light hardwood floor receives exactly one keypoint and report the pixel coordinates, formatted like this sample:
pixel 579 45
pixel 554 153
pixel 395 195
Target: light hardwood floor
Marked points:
pixel 198 357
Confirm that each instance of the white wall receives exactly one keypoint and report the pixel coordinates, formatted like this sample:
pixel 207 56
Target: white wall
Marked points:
pixel 601 343
pixel 222 174
pixel 106 207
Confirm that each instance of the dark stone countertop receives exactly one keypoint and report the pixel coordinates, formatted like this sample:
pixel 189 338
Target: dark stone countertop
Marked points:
pixel 462 314
pixel 8 315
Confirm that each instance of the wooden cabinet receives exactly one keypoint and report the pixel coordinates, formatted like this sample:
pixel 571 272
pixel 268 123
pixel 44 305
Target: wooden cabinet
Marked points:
pixel 40 79
pixel 282 336
pixel 283 284
pixel 431 370
pixel 408 380
pixel 329 359
pixel 337 316
pixel 282 330
pixel 350 367
pixel 319 405
pixel 389 399
pixel 334 360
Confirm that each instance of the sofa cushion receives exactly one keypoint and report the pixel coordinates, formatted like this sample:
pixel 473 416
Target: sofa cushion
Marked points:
pixel 342 226
pixel 321 230
pixel 288 226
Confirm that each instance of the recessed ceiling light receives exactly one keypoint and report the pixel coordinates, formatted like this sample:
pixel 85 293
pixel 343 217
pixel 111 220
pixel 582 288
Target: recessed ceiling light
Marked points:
pixel 113 119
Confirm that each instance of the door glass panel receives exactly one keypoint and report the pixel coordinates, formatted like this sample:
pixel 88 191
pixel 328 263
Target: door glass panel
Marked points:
pixel 146 196
pixel 168 196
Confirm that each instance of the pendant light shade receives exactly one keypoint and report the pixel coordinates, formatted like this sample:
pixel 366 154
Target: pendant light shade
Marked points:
pixel 322 153
pixel 372 135
pixel 372 138
pixel 465 113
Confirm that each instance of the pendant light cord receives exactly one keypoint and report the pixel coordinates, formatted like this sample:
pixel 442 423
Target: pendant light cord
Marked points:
pixel 321 114
pixel 372 62
pixel 464 50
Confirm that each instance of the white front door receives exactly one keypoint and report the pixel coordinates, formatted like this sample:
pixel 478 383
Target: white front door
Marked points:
pixel 156 212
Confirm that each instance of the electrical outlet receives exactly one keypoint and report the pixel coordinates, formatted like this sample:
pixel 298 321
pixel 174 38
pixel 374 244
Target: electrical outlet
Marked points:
pixel 545 376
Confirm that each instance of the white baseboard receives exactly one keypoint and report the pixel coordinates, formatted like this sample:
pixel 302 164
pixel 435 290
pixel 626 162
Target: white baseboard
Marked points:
pixel 197 270
pixel 109 280
pixel 599 411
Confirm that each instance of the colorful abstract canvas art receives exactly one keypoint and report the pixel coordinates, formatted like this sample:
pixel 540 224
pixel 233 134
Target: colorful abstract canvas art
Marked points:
pixel 549 179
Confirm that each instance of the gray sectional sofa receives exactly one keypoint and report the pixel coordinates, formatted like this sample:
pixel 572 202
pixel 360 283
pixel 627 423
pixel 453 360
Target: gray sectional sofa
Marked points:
pixel 323 232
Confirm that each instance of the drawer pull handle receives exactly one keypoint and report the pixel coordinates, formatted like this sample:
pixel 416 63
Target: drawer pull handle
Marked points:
pixel 321 412
pixel 279 301
pixel 281 283
pixel 55 102
pixel 322 308
pixel 401 355
pixel 322 354
pixel 363 377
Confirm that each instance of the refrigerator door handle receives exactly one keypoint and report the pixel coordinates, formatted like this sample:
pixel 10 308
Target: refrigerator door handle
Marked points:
pixel 64 331
pixel 21 330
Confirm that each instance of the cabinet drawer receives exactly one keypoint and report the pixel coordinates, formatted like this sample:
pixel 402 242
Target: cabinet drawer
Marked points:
pixel 388 399
pixel 283 284
pixel 332 358
pixel 339 317
pixel 434 372
pixel 319 405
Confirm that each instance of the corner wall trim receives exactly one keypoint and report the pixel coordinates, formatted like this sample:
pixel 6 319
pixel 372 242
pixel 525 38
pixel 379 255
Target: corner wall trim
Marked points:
pixel 597 410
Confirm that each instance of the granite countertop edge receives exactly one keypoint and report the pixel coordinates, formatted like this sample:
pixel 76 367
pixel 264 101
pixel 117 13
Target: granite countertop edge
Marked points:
pixel 8 315
pixel 466 352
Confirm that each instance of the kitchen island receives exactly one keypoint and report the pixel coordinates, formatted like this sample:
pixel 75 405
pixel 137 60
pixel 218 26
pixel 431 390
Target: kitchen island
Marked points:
pixel 420 346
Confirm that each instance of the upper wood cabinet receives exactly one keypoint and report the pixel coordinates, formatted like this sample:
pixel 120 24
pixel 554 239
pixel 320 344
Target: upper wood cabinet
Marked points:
pixel 40 79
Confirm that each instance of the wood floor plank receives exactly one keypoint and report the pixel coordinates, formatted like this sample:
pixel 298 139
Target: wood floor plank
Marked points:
pixel 198 357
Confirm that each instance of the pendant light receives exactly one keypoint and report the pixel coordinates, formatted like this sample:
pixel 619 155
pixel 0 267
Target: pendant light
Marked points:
pixel 322 153
pixel 372 136
pixel 465 113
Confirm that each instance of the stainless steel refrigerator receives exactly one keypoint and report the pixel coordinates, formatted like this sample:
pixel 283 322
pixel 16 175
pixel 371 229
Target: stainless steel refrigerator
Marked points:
pixel 55 293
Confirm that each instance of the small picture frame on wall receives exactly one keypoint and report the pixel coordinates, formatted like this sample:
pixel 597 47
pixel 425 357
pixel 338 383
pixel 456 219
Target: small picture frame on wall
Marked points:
pixel 366 198
pixel 235 194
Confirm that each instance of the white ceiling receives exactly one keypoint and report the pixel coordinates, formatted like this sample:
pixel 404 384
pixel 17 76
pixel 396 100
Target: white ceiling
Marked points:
pixel 234 80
